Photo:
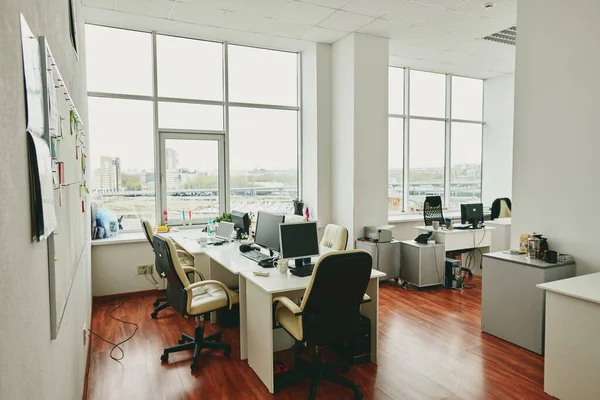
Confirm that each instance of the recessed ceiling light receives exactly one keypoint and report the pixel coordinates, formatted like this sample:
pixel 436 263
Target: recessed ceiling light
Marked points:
pixel 488 5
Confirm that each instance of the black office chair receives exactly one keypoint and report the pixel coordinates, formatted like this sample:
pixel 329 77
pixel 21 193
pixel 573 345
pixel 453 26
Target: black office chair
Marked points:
pixel 432 210
pixel 329 312
pixel 501 208
pixel 192 300
pixel 184 257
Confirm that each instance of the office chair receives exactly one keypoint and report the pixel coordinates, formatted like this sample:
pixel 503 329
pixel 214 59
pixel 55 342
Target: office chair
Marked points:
pixel 501 208
pixel 184 258
pixel 328 312
pixel 432 210
pixel 192 300
pixel 335 238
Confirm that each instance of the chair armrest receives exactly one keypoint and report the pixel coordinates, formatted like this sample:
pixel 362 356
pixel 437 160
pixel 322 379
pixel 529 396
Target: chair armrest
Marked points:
pixel 208 282
pixel 289 304
pixel 192 269
pixel 366 299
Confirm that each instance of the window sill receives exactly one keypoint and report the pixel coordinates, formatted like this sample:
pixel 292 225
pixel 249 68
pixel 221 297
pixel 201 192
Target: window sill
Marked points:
pixel 122 238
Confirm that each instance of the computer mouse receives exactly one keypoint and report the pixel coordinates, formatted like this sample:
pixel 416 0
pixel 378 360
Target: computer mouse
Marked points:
pixel 218 244
pixel 245 248
pixel 266 264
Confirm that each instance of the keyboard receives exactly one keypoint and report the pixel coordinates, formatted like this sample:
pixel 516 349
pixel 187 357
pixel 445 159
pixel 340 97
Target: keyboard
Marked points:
pixel 255 255
pixel 304 270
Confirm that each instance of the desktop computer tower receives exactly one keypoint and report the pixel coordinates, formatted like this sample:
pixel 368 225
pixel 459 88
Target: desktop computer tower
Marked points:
pixel 453 274
pixel 356 349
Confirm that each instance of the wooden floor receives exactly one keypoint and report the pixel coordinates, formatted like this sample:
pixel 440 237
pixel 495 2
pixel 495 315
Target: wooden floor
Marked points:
pixel 430 347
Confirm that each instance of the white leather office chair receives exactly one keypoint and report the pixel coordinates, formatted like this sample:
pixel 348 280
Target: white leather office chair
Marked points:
pixel 192 300
pixel 335 238
pixel 505 211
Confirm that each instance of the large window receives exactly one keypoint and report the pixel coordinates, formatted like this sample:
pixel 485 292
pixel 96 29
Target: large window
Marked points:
pixel 170 134
pixel 435 139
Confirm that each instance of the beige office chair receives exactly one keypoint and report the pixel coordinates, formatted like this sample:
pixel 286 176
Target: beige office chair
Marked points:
pixel 328 312
pixel 192 300
pixel 335 238
pixel 185 258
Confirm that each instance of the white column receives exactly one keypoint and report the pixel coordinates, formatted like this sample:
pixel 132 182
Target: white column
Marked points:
pixel 359 132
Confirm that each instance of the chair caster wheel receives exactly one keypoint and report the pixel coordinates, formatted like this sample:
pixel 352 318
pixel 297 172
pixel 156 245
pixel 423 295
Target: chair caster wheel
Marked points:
pixel 155 304
pixel 216 337
pixel 194 367
pixel 154 314
pixel 396 280
pixel 180 341
pixel 164 358
pixel 227 353
pixel 358 396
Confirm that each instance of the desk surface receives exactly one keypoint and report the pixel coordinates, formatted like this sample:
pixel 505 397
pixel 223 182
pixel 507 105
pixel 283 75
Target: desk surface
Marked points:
pixel 453 231
pixel 523 260
pixel 585 287
pixel 499 221
pixel 278 282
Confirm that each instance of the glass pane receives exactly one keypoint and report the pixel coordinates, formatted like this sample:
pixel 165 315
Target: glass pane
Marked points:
pixel 426 161
pixel 467 98
pixel 396 90
pixel 118 61
pixel 263 154
pixel 190 116
pixel 263 76
pixel 189 69
pixel 427 94
pixel 465 167
pixel 122 160
pixel 396 165
pixel 192 172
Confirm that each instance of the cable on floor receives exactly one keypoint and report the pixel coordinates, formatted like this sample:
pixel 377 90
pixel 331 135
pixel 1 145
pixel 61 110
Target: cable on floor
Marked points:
pixel 117 345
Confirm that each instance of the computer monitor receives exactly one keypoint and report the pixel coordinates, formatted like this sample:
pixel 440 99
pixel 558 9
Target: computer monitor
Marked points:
pixel 471 213
pixel 241 221
pixel 267 230
pixel 299 241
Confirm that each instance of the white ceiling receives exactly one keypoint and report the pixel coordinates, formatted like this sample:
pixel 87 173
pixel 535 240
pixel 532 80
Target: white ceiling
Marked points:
pixel 438 35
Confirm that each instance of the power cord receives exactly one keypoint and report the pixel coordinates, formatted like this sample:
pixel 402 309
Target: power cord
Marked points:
pixel 117 345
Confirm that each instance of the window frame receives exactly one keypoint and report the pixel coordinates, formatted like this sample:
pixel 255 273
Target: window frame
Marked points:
pixel 448 120
pixel 159 162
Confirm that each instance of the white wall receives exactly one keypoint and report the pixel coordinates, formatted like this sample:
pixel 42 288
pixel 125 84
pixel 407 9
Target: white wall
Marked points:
pixel 31 365
pixel 498 114
pixel 556 142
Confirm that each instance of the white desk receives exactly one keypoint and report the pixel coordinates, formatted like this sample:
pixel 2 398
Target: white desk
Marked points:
pixel 572 349
pixel 263 340
pixel 501 237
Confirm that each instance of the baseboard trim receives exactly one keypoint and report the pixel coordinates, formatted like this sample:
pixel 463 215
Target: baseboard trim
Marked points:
pixel 130 294
pixel 84 395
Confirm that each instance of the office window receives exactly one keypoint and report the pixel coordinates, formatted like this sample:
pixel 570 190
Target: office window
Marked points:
pixel 426 160
pixel 122 158
pixel 467 98
pixel 189 69
pixel 430 132
pixel 396 91
pixel 427 94
pixel 215 152
pixel 262 76
pixel 396 165
pixel 263 159
pixel 118 61
pixel 465 164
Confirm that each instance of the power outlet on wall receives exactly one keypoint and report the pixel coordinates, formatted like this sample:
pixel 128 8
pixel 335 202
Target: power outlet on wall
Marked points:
pixel 144 269
pixel 85 334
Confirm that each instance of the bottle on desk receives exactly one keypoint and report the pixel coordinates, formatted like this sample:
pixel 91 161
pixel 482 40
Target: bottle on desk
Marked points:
pixel 210 227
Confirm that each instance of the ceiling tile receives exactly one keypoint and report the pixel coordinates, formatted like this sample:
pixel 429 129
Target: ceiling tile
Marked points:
pixel 444 3
pixel 243 22
pixel 346 21
pixel 327 3
pixel 264 8
pixel 501 7
pixel 477 28
pixel 322 35
pixel 418 35
pixel 373 8
pixel 304 13
pixel 286 29
pixel 151 8
pixel 384 28
pixel 108 4
pixel 451 20
pixel 196 14
pixel 414 13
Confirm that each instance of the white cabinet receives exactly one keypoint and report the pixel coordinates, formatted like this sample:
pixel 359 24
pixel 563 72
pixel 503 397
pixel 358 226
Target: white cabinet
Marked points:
pixel 386 256
pixel 422 264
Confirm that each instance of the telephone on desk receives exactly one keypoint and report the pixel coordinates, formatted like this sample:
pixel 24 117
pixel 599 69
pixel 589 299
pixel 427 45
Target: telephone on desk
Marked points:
pixel 423 237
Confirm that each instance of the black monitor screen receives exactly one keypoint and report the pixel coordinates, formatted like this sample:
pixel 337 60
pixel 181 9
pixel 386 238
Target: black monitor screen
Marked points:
pixel 299 240
pixel 471 212
pixel 241 221
pixel 267 230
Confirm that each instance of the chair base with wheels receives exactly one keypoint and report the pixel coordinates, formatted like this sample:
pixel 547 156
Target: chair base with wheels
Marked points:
pixel 158 306
pixel 197 343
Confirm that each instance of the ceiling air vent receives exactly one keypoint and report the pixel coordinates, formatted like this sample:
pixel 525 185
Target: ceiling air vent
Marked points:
pixel 506 36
